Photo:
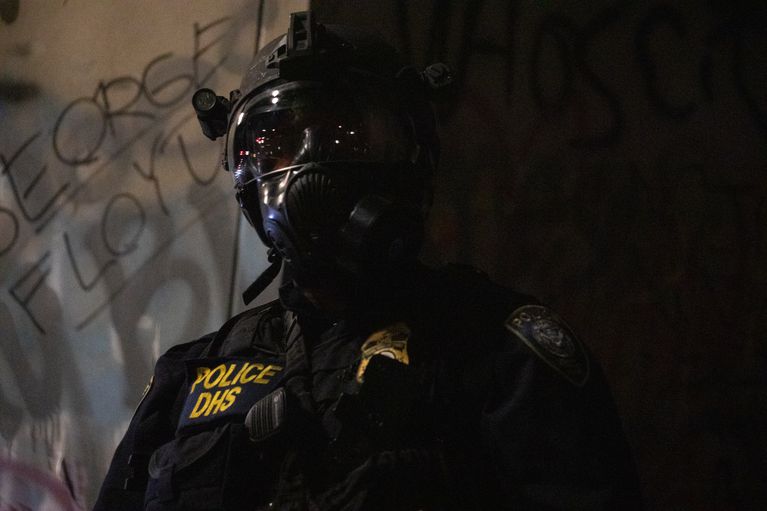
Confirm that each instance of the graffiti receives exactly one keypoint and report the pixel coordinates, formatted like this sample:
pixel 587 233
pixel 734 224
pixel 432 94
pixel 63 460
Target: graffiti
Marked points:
pixel 103 114
pixel 571 47
pixel 127 304
pixel 92 210
pixel 557 30
pixel 117 228
pixel 27 488
pixel 578 52
pixel 472 43
pixel 658 17
pixel 116 118
pixel 10 225
pixel 34 272
pixel 102 111
pixel 109 115
pixel 609 159
pixel 105 224
pixel 40 387
pixel 21 198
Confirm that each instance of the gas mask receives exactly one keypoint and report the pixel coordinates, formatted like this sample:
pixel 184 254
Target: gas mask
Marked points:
pixel 331 171
pixel 330 144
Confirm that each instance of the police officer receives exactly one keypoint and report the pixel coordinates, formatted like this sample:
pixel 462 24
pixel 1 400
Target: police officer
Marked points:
pixel 373 382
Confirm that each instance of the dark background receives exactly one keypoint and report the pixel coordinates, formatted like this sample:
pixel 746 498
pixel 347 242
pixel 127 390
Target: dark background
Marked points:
pixel 609 158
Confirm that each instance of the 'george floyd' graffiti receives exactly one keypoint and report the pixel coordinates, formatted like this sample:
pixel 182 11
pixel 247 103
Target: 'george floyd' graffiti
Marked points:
pixel 119 236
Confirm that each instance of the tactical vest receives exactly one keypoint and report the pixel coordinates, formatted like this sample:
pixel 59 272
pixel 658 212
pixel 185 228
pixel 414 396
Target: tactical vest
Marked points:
pixel 265 419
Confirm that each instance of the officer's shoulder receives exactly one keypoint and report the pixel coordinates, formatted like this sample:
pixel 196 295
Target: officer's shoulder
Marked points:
pixel 520 322
pixel 478 294
pixel 470 308
pixel 197 348
pixel 189 349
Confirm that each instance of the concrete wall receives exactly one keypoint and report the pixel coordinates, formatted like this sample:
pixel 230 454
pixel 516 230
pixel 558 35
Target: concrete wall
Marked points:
pixel 611 158
pixel 117 227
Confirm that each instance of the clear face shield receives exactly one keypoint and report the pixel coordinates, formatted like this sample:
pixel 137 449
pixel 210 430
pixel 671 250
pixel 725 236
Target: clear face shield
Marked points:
pixel 297 123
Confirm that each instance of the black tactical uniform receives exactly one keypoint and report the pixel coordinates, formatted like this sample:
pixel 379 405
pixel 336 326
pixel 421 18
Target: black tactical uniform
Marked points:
pixel 427 389
pixel 482 416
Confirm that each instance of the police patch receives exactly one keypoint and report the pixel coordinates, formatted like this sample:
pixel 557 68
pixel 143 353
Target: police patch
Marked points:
pixel 226 388
pixel 552 340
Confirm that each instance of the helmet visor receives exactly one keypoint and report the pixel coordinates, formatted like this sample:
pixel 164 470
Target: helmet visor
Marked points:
pixel 301 122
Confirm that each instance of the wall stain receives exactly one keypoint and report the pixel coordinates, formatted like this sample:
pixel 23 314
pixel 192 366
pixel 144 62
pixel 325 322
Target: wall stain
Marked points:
pixel 16 91
pixel 9 10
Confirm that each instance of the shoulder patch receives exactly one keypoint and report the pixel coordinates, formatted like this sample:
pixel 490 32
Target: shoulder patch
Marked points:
pixel 552 340
pixel 224 389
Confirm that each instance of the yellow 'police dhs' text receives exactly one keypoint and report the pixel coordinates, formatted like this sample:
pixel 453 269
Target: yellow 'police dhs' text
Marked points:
pixel 228 386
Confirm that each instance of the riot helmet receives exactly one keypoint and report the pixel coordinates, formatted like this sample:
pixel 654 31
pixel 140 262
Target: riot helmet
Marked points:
pixel 331 144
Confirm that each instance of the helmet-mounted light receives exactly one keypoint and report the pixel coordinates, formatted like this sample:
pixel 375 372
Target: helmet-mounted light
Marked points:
pixel 212 113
